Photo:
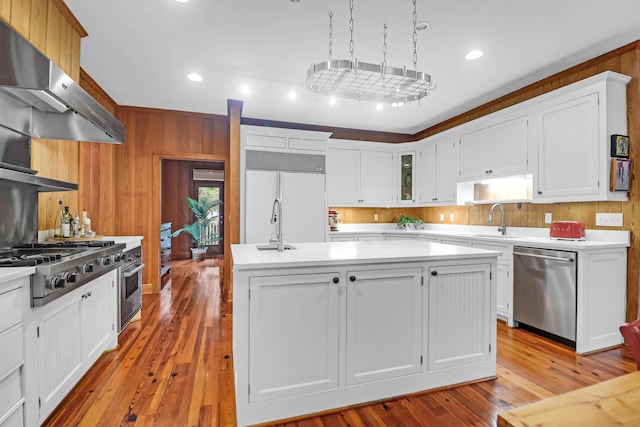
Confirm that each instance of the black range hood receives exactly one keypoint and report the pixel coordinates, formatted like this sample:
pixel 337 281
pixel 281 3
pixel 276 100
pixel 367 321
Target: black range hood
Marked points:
pixel 39 100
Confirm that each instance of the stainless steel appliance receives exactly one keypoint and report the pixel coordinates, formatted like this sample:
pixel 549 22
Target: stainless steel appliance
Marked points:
pixel 130 292
pixel 62 266
pixel 544 283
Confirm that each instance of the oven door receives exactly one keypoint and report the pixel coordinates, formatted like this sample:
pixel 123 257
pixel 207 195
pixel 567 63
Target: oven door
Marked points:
pixel 130 292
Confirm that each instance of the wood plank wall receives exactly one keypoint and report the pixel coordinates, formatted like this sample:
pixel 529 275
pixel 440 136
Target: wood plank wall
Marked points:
pixel 625 60
pixel 153 135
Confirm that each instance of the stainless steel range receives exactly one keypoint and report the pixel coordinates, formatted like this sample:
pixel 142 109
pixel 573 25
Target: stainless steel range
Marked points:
pixel 63 266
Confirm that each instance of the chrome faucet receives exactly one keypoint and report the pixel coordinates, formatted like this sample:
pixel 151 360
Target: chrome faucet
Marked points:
pixel 503 225
pixel 276 218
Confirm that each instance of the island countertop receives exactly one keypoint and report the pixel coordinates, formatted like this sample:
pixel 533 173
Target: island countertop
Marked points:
pixel 247 256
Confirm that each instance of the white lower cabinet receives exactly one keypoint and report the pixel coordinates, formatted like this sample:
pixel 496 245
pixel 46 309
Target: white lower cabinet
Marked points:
pixel 459 315
pixel 71 333
pixel 293 335
pixel 384 328
pixel 504 285
pixel 309 339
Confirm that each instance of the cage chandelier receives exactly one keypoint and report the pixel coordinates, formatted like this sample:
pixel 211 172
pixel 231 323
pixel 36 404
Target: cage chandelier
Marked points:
pixel 350 78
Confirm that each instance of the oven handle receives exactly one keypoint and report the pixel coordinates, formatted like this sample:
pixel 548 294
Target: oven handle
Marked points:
pixel 132 272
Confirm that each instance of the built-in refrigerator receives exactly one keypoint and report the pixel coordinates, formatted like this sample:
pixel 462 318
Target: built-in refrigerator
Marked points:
pixel 298 180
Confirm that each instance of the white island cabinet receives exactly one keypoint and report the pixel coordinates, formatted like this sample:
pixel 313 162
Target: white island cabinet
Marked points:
pixel 327 325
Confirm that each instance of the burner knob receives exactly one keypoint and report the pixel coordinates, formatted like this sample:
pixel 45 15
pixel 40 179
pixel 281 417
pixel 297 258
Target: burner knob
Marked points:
pixel 105 260
pixel 56 282
pixel 69 277
pixel 86 268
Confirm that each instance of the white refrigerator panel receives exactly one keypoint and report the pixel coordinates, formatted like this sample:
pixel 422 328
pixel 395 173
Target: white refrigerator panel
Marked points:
pixel 260 191
pixel 304 214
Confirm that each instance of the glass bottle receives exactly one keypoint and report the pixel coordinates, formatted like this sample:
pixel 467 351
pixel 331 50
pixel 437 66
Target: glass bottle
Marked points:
pixel 65 224
pixel 58 222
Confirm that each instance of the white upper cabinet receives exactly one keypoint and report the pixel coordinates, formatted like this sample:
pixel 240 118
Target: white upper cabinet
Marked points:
pixel 359 177
pixel 497 150
pixel 574 132
pixel 437 173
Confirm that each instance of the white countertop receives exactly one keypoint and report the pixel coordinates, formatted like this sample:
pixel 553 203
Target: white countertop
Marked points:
pixel 247 257
pixel 130 241
pixel 12 273
pixel 519 236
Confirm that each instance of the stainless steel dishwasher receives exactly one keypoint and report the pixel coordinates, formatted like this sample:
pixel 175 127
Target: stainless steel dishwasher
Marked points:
pixel 544 290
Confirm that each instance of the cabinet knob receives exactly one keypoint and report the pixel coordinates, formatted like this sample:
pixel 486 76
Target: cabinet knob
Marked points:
pixel 336 280
pixel 539 192
pixel 434 273
pixel 352 278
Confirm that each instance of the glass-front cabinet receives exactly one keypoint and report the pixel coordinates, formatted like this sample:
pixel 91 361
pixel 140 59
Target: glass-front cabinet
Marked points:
pixel 407 187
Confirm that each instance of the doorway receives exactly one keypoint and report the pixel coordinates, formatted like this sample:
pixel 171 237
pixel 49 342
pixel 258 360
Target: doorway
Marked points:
pixel 208 186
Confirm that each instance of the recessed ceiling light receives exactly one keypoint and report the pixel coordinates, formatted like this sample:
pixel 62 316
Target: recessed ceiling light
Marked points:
pixel 195 77
pixel 474 54
pixel 292 95
pixel 379 106
pixel 245 89
pixel 332 100
pixel 182 1
pixel 422 25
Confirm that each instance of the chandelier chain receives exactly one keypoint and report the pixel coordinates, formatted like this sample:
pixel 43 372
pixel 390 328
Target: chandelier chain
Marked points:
pixel 415 38
pixel 351 29
pixel 330 35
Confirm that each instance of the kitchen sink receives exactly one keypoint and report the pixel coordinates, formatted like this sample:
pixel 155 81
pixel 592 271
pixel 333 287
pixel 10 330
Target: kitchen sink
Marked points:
pixel 273 247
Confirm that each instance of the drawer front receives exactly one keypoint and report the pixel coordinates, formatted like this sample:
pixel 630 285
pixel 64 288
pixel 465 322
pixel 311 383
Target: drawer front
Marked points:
pixel 11 351
pixel 11 307
pixel 10 391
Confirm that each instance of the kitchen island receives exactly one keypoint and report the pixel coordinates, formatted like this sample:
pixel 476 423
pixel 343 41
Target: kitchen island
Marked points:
pixel 327 325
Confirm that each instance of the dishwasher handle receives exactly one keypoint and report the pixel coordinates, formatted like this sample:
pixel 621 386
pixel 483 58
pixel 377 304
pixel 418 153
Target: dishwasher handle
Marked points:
pixel 552 258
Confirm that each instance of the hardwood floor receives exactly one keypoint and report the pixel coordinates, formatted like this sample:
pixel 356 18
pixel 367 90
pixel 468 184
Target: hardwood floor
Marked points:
pixel 174 368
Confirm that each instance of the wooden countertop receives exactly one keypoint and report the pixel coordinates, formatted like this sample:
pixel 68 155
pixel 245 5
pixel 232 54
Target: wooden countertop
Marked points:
pixel 612 402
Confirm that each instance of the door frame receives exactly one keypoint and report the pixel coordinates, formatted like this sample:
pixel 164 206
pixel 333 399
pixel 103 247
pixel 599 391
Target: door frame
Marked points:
pixel 216 250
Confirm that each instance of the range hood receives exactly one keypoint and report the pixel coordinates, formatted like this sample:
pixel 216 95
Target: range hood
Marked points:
pixel 39 100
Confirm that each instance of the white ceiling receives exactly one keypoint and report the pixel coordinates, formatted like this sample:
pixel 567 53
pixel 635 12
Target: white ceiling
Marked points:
pixel 140 51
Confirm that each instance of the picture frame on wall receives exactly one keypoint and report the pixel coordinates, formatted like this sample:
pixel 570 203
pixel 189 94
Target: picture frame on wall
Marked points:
pixel 620 175
pixel 620 146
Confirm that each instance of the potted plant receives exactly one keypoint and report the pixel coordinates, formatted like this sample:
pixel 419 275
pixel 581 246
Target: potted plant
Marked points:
pixel 406 221
pixel 204 217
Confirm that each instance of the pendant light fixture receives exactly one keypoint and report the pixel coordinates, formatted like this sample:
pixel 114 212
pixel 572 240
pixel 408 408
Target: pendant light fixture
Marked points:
pixel 381 83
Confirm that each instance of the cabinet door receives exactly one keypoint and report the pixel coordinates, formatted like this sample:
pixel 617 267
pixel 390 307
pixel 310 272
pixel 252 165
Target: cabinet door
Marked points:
pixel 428 172
pixel 476 154
pixel 459 315
pixel 59 354
pixel 406 178
pixel 97 316
pixel 384 326
pixel 568 149
pixel 293 335
pixel 446 178
pixel 510 147
pixel 343 176
pixel 376 177
pixel 503 291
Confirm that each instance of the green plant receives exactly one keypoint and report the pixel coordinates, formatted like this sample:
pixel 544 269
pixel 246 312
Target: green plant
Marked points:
pixel 202 209
pixel 403 220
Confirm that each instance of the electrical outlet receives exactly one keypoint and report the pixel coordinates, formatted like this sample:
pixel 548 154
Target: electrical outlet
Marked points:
pixel 375 217
pixel 609 219
pixel 451 217
pixel 547 218
pixel 441 217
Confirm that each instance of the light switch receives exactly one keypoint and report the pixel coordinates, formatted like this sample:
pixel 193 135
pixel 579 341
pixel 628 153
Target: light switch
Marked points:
pixel 375 217
pixel 441 217
pixel 451 217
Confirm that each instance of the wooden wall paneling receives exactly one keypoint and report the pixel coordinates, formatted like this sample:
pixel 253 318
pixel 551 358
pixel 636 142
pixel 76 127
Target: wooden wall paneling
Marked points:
pixel 20 16
pixel 5 11
pixel 38 24
pixel 232 193
pixel 54 34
